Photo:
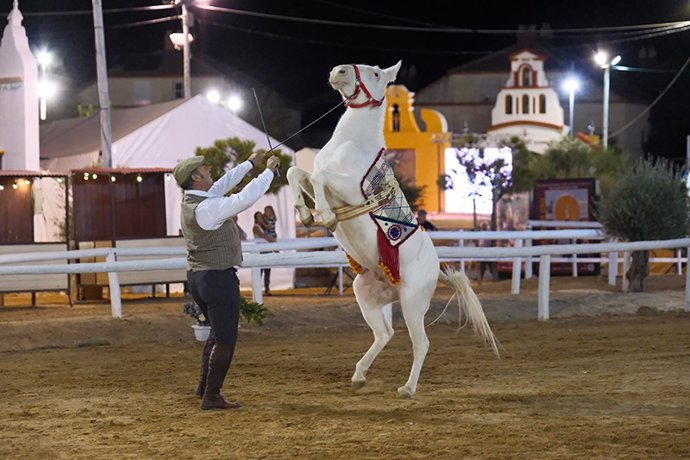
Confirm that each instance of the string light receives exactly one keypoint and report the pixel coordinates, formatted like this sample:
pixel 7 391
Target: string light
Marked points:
pixel 94 176
pixel 14 186
pixel 112 179
pixel 2 187
pixel 139 178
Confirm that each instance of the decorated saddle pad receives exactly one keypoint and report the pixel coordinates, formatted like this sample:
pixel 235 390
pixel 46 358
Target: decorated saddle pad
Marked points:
pixel 395 219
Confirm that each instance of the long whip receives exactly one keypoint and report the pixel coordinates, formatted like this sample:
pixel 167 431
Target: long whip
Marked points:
pixel 296 132
pixel 263 123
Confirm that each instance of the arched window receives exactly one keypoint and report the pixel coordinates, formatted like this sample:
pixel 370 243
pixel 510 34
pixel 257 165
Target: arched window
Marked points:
pixel 526 74
pixel 509 104
pixel 525 103
pixel 542 103
pixel 396 118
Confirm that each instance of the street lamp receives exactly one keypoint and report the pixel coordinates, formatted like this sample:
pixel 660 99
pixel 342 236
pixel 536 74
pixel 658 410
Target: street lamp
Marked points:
pixel 571 84
pixel 182 41
pixel 45 88
pixel 602 59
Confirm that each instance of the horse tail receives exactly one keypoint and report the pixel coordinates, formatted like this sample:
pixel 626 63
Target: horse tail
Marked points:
pixel 469 306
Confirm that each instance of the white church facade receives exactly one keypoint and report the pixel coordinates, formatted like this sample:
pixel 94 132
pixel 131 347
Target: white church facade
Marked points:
pixel 528 106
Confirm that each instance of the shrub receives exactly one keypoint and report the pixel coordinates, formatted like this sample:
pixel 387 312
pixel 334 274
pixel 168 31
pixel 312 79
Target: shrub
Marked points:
pixel 650 202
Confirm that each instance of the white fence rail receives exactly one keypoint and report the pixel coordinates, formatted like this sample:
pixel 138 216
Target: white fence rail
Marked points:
pixel 291 254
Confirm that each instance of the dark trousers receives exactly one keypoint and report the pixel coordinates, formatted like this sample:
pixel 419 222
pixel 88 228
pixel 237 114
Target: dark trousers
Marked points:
pixel 267 277
pixel 217 292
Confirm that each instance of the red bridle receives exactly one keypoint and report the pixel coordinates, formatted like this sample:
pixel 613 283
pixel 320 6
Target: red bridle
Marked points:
pixel 360 86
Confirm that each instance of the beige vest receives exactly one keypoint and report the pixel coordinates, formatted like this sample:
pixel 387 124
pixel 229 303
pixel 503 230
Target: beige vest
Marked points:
pixel 209 249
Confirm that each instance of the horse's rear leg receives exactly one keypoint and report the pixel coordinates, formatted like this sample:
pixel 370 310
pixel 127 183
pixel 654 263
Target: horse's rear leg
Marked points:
pixel 414 304
pixel 375 301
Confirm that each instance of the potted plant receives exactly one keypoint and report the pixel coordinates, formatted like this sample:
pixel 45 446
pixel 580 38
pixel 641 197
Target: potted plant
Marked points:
pixel 249 311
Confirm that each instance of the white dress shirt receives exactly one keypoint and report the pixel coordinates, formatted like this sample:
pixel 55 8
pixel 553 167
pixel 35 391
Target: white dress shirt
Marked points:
pixel 217 208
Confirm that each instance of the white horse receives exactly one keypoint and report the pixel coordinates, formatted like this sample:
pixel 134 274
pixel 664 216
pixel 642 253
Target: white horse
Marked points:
pixel 350 184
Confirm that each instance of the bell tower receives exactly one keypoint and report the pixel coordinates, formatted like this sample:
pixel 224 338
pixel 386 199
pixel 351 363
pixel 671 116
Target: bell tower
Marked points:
pixel 19 134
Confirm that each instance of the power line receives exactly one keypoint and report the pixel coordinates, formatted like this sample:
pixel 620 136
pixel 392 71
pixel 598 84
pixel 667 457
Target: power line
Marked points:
pixel 435 29
pixel 658 98
pixel 90 12
pixel 339 44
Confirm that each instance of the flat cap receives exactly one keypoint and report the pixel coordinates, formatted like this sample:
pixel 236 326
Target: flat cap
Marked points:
pixel 186 167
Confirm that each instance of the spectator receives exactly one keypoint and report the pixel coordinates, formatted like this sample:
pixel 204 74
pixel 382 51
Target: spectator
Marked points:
pixel 260 230
pixel 421 220
pixel 484 264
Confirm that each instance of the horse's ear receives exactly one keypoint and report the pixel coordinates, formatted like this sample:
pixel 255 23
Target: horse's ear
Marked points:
pixel 392 72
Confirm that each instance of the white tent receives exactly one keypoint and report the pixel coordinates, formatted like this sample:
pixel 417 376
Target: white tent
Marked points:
pixel 158 136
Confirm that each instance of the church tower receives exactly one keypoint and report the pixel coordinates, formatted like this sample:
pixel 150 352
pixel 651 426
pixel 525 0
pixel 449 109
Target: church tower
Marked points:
pixel 527 106
pixel 19 134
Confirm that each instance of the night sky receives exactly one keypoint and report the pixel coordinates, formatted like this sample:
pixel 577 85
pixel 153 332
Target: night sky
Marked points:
pixel 293 46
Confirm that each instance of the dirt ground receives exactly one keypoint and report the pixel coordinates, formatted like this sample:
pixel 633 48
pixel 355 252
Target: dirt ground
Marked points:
pixel 608 376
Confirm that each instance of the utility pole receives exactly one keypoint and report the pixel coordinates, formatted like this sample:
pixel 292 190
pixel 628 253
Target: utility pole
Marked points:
pixel 103 96
pixel 185 51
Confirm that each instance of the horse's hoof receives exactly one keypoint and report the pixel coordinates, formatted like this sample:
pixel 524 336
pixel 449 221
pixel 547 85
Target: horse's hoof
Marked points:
pixel 358 385
pixel 307 219
pixel 404 393
pixel 331 224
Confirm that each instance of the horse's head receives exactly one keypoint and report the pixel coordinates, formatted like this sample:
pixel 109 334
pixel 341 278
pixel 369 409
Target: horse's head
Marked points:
pixel 362 85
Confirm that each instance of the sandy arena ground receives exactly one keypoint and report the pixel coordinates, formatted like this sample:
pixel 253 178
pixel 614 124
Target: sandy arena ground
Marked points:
pixel 607 377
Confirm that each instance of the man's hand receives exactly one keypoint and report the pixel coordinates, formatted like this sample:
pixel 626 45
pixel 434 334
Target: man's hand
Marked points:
pixel 257 158
pixel 273 163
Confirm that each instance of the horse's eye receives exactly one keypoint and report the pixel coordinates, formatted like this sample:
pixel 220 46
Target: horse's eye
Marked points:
pixel 376 74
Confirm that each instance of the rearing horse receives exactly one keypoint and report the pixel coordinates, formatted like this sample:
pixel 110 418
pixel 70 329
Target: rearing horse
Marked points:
pixel 357 196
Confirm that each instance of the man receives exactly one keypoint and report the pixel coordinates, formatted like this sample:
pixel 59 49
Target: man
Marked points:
pixel 214 252
pixel 421 220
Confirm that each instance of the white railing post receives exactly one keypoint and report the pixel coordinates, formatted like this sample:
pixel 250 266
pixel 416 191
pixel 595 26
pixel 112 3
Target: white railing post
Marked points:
pixel 626 266
pixel 687 285
pixel 613 267
pixel 574 261
pixel 517 269
pixel 679 262
pixel 461 243
pixel 543 293
pixel 257 295
pixel 528 261
pixel 340 280
pixel 114 288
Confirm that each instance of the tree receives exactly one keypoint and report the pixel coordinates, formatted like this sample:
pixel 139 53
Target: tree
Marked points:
pixel 234 151
pixel 650 202
pixel 572 159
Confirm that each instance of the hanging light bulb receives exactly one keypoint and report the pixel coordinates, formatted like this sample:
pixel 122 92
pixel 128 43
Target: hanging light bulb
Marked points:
pixel 94 176
pixel 139 178
pixel 14 186
pixel 2 187
pixel 112 179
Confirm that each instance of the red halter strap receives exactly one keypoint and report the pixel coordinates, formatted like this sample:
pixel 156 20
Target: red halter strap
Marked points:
pixel 360 86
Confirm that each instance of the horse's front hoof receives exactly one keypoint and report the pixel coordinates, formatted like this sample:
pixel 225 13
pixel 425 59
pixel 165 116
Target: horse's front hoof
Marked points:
pixel 331 224
pixel 404 393
pixel 306 218
pixel 358 385
pixel 307 221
